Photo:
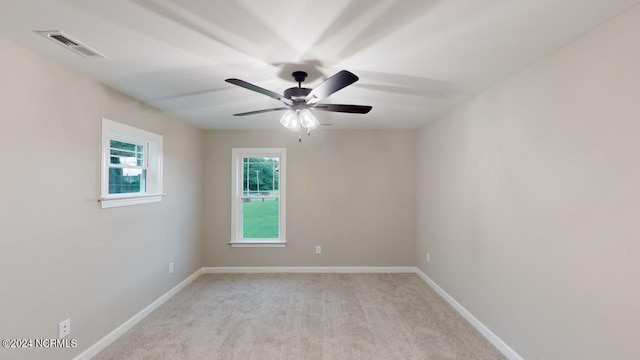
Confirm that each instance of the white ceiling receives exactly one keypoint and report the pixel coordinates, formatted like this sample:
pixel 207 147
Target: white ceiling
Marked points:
pixel 416 59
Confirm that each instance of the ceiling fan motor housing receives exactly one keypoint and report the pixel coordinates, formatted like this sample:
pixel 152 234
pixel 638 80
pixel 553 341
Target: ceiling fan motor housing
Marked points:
pixel 296 93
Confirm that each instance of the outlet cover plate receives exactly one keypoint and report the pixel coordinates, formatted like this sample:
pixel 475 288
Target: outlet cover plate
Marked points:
pixel 64 328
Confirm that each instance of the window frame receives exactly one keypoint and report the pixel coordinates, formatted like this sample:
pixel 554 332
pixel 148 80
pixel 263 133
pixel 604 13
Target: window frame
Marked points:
pixel 237 156
pixel 153 159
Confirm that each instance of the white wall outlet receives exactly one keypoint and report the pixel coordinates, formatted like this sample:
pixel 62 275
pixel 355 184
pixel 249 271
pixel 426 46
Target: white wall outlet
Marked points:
pixel 428 257
pixel 64 328
pixel 170 268
pixel 318 249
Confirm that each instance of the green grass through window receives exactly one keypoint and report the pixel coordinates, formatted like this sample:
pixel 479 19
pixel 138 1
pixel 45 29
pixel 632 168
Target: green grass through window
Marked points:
pixel 260 219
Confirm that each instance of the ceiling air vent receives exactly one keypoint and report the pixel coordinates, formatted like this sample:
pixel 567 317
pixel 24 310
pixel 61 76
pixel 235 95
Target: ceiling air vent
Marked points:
pixel 70 43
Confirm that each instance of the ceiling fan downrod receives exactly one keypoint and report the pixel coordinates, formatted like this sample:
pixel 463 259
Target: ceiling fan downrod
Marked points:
pixel 299 77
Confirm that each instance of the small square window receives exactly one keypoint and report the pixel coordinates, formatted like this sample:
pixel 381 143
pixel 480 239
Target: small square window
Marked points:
pixel 131 165
pixel 127 167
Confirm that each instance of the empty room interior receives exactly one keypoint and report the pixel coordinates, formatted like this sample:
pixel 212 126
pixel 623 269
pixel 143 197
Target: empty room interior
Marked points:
pixel 345 179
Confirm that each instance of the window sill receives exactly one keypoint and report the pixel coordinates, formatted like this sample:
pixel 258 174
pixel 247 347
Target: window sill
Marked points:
pixel 112 202
pixel 258 243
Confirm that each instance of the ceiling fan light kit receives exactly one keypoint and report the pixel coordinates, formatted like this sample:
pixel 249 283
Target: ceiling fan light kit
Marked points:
pixel 296 120
pixel 299 101
pixel 307 120
pixel 290 120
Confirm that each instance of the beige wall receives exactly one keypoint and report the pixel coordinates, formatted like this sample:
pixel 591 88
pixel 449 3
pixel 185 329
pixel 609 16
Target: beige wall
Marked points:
pixel 352 192
pixel 60 255
pixel 529 201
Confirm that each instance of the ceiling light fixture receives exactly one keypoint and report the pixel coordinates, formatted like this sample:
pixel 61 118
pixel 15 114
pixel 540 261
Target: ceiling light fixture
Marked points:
pixel 307 120
pixel 296 120
pixel 298 100
pixel 290 120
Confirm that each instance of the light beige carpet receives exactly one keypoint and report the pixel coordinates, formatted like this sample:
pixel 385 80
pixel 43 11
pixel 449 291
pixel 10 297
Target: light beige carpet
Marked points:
pixel 303 316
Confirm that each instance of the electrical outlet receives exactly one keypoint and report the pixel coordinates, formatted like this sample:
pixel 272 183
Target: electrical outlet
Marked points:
pixel 64 328
pixel 170 268
pixel 318 249
pixel 428 257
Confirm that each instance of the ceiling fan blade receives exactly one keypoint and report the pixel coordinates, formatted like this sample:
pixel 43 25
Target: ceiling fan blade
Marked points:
pixel 260 111
pixel 260 90
pixel 353 109
pixel 336 82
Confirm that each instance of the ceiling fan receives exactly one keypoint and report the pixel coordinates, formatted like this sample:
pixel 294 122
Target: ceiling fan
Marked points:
pixel 299 101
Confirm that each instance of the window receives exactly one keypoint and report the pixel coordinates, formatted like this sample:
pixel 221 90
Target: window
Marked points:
pixel 258 197
pixel 131 171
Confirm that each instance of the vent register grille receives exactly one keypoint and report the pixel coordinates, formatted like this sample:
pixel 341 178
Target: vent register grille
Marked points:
pixel 70 43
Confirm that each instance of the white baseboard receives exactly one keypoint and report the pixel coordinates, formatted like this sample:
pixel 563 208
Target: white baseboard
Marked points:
pixel 488 334
pixel 309 269
pixel 94 349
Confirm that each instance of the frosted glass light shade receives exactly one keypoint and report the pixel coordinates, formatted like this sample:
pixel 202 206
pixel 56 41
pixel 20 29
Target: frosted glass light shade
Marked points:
pixel 290 120
pixel 307 120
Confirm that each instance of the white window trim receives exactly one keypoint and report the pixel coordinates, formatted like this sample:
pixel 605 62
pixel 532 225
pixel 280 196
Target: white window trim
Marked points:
pixel 236 208
pixel 154 157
